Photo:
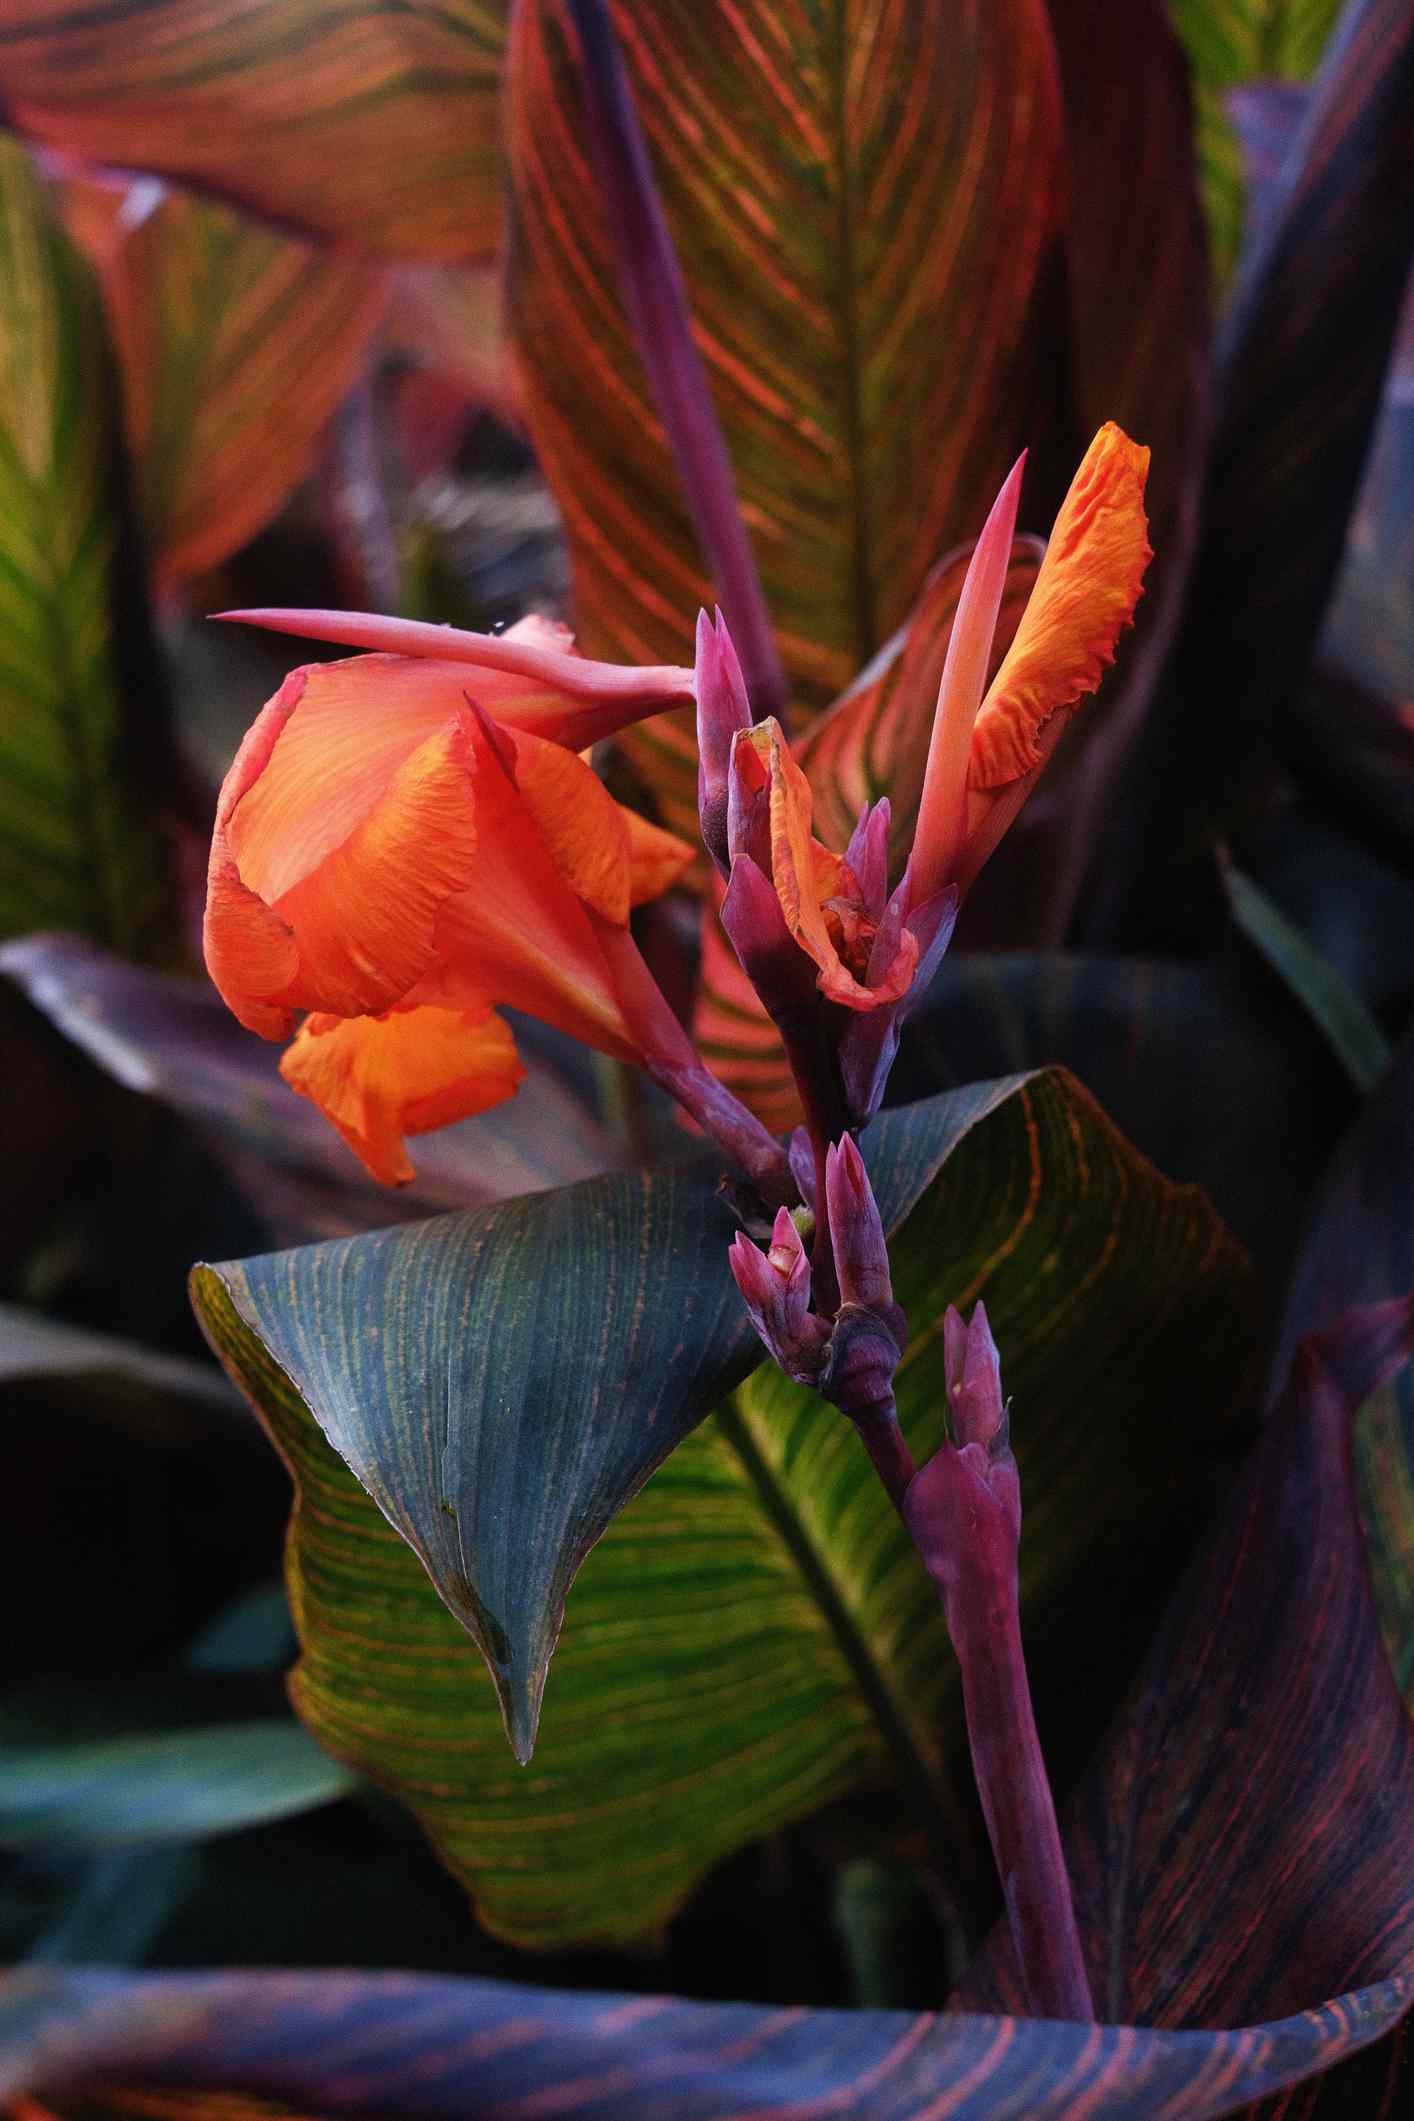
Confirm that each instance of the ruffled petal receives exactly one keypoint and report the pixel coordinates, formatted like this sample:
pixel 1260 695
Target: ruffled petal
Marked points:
pixel 1084 597
pixel 379 1078
pixel 365 920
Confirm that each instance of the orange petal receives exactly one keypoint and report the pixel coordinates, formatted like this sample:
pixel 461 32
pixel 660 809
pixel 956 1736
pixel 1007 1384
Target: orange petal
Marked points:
pixel 581 824
pixel 805 874
pixel 322 755
pixel 365 919
pixel 520 934
pixel 378 1078
pixel 1085 595
pixel 250 953
pixel 657 859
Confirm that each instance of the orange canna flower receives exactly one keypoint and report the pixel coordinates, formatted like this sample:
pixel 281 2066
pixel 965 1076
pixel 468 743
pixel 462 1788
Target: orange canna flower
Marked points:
pixel 813 927
pixel 405 841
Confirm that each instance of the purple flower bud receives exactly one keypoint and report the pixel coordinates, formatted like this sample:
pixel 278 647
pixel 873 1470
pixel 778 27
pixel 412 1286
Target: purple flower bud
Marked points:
pixel 775 1287
pixel 868 856
pixel 856 1230
pixel 869 1041
pixel 775 964
pixel 722 709
pixel 973 1371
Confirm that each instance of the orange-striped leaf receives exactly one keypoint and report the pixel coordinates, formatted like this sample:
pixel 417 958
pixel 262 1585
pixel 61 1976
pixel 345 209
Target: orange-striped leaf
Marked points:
pixel 235 344
pixel 341 117
pixel 863 200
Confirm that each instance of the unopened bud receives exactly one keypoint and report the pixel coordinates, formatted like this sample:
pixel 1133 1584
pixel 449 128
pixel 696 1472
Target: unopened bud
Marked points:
pixel 861 1250
pixel 783 976
pixel 775 1287
pixel 722 709
pixel 973 1371
pixel 868 856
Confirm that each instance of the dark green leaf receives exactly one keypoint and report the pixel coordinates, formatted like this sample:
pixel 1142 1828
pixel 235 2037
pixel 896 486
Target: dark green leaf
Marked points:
pixel 136 1790
pixel 77 848
pixel 750 1638
pixel 1355 1037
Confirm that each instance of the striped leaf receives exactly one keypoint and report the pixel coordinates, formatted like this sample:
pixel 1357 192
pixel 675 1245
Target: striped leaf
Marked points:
pixel 1246 1844
pixel 1230 43
pixel 75 848
pixel 357 121
pixel 749 1639
pixel 235 345
pixel 863 199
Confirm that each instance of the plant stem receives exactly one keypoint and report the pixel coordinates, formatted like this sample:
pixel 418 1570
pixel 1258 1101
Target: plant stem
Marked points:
pixel 964 1513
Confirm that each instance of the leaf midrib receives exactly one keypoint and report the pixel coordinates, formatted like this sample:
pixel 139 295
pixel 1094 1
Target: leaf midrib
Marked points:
pixel 935 1799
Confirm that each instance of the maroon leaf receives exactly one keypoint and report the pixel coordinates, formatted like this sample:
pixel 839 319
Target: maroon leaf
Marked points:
pixel 174 1039
pixel 1302 362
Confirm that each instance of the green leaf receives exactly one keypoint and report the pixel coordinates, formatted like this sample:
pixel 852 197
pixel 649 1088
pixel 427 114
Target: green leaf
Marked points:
pixel 347 118
pixel 75 848
pixel 142 1788
pixel 1356 1038
pixel 1229 43
pixel 750 1638
pixel 579 1336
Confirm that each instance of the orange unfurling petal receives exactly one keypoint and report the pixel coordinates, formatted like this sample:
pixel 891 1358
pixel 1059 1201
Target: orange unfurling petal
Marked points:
pixel 365 920
pixel 1084 597
pixel 378 1078
pixel 806 874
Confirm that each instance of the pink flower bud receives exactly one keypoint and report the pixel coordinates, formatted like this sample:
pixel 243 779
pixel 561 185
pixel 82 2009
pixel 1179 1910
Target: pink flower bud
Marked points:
pixel 722 709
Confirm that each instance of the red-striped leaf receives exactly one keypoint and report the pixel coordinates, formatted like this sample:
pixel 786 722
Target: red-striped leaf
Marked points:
pixel 363 121
pixel 857 198
pixel 235 344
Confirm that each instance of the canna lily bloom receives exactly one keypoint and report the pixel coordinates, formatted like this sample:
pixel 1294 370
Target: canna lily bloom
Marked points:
pixel 405 841
pixel 813 928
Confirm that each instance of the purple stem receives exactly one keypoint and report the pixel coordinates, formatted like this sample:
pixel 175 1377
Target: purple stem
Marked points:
pixel 964 1513
pixel 656 298
pixel 726 1120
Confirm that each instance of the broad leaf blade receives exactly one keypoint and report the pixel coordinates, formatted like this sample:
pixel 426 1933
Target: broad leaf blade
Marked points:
pixel 76 847
pixel 850 191
pixel 503 1383
pixel 236 343
pixel 747 1641
pixel 1305 349
pixel 139 1790
pixel 366 122
pixel 482 2048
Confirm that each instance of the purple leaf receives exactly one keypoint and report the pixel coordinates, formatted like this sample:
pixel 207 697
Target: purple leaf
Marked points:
pixel 174 1039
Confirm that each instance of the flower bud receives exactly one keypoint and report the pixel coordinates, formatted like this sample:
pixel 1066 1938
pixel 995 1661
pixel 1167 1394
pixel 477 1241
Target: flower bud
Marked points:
pixel 722 710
